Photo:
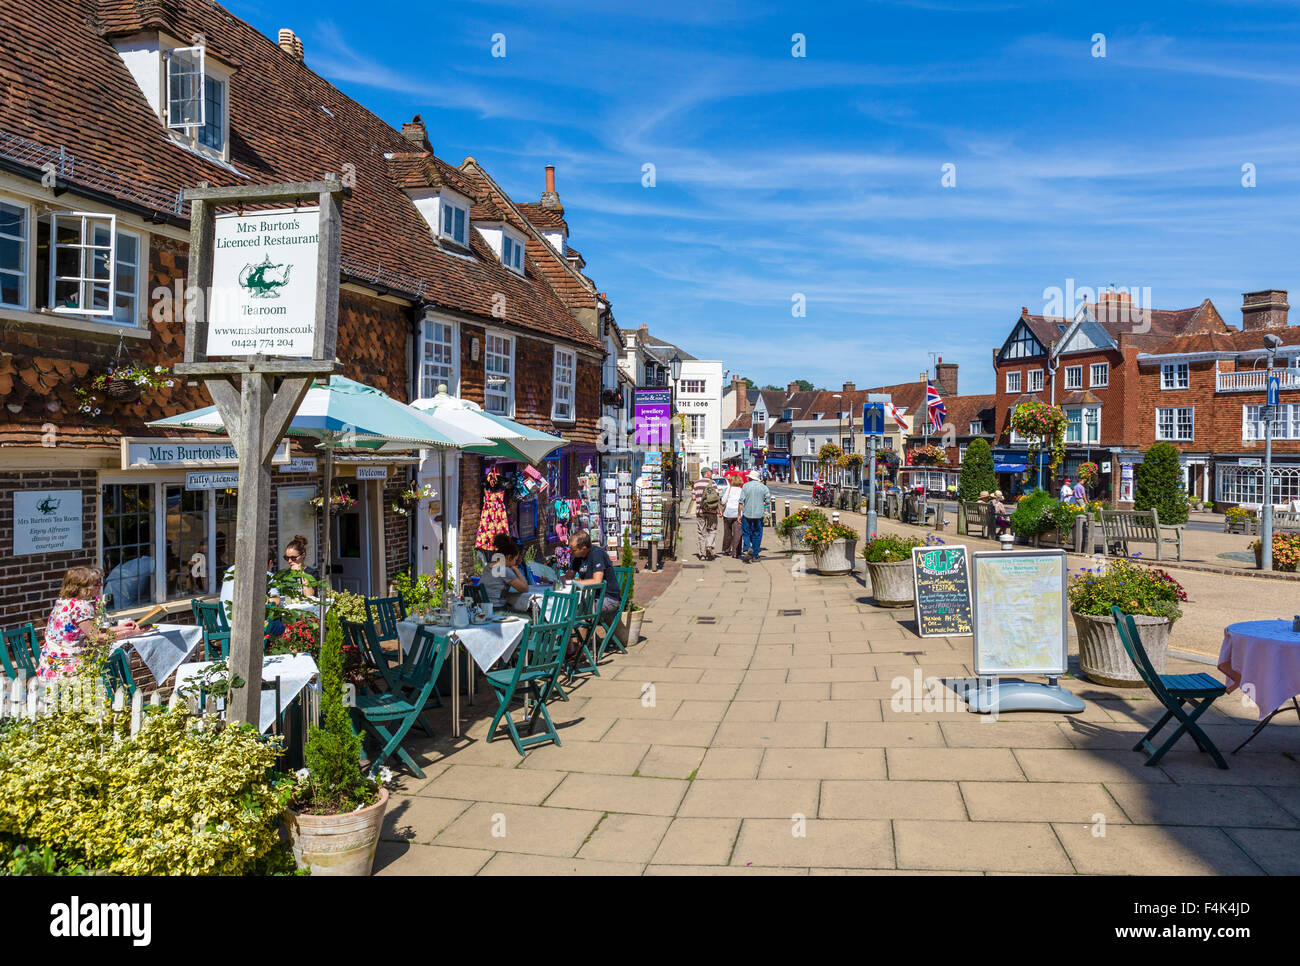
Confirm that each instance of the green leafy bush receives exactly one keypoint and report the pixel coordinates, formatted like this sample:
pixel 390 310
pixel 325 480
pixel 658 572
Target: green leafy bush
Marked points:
pixel 1034 514
pixel 977 474
pixel 1134 588
pixel 888 548
pixel 169 801
pixel 1160 484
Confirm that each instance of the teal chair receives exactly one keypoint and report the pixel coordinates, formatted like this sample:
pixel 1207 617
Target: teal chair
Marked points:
pixel 397 680
pixel 117 674
pixel 585 618
pixel 211 617
pixel 1173 691
pixel 382 615
pixel 20 652
pixel 387 718
pixel 541 657
pixel 477 593
pixel 607 622
pixel 559 608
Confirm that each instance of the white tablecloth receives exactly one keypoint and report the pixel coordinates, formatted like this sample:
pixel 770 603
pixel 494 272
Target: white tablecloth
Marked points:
pixel 1264 658
pixel 293 670
pixel 486 643
pixel 164 647
pixel 526 599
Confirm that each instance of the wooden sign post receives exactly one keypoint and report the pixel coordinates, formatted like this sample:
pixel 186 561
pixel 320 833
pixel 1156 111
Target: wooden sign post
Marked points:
pixel 255 410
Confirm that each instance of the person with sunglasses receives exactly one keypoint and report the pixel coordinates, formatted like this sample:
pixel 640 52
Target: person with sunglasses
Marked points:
pixel 295 555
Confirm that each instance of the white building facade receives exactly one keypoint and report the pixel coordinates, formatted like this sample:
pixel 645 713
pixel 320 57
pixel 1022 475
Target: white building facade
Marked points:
pixel 699 400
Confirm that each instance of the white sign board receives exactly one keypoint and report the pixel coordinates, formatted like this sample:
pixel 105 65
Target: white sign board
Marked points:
pixel 264 269
pixel 46 521
pixel 300 464
pixel 151 454
pixel 212 481
pixel 372 472
pixel 1019 609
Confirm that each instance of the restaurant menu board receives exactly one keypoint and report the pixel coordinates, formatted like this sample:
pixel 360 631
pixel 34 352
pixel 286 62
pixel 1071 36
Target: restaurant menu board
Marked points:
pixel 941 576
pixel 1019 604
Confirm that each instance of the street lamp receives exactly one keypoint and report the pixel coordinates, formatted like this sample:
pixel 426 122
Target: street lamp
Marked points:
pixel 1271 342
pixel 675 369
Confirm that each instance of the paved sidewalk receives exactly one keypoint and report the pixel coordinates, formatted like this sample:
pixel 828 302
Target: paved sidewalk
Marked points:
pixel 770 741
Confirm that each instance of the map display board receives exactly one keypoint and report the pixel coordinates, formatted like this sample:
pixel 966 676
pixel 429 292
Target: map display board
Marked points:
pixel 941 577
pixel 1019 618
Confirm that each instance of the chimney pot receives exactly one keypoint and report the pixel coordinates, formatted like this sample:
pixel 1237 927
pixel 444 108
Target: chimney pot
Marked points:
pixel 550 198
pixel 290 43
pixel 415 132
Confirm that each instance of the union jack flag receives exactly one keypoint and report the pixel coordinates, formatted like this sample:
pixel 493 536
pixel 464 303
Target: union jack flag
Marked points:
pixel 934 405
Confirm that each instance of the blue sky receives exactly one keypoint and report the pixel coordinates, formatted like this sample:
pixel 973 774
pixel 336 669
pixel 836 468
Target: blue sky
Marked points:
pixel 821 175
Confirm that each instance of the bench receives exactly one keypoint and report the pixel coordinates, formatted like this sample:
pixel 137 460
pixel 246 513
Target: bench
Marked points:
pixel 1139 526
pixel 1286 520
pixel 977 516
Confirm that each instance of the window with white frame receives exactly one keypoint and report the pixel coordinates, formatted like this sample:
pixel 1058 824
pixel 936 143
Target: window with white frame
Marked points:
pixel 1083 425
pixel 1035 380
pixel 1013 381
pixel 562 393
pixel 438 358
pixel 961 454
pixel 1175 375
pixel 1092 424
pixel 512 253
pixel 1074 377
pixel 695 425
pixel 213 132
pixel 1245 484
pixel 1286 426
pixel 499 374
pixel 15 219
pixel 695 386
pixel 1100 375
pixel 455 222
pixel 197 99
pixel 1175 423
pixel 84 248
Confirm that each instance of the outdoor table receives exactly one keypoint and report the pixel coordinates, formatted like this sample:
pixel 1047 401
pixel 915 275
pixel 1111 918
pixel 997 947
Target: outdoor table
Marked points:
pixel 1264 657
pixel 294 672
pixel 163 647
pixel 528 601
pixel 486 643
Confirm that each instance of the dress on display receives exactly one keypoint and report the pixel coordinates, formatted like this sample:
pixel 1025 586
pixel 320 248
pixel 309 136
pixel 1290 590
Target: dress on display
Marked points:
pixel 493 519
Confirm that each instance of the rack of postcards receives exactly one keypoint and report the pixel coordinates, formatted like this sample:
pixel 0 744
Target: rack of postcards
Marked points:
pixel 617 510
pixel 652 499
pixel 589 497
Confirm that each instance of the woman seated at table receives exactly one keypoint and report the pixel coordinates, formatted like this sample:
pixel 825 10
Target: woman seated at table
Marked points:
pixel 71 628
pixel 295 555
pixel 504 576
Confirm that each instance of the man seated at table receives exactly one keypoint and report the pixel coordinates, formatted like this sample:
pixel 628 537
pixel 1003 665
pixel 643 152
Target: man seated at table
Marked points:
pixel 593 566
pixel 504 577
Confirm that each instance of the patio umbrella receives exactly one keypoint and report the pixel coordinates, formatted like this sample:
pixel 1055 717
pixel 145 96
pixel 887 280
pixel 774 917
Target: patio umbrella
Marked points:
pixel 347 414
pixel 505 439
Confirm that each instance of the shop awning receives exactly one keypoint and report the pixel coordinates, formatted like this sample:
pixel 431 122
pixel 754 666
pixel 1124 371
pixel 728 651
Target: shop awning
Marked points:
pixel 777 461
pixel 1010 467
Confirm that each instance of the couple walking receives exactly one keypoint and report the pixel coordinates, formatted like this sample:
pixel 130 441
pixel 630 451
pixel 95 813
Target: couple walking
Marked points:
pixel 742 506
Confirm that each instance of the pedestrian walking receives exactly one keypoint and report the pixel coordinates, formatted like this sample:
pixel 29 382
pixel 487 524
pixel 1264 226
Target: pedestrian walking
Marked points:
pixel 753 508
pixel 731 515
pixel 1067 491
pixel 707 501
pixel 1080 494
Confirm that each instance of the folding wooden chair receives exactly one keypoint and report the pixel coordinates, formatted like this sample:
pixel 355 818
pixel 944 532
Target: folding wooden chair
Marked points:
pixel 1173 691
pixel 20 652
pixel 117 674
pixel 607 622
pixel 584 629
pixel 388 717
pixel 382 615
pixel 211 616
pixel 541 656
pixel 401 679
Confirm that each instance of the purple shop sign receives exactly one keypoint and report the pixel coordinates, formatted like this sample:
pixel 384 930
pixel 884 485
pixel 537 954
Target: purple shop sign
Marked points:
pixel 653 412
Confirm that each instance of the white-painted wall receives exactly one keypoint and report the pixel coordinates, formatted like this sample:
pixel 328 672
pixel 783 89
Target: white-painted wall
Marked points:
pixel 707 403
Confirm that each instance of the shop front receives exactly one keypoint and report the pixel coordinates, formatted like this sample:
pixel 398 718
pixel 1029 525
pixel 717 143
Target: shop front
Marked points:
pixel 778 463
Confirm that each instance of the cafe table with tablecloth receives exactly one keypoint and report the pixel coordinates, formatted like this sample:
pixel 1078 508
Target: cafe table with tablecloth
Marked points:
pixel 1262 657
pixel 163 647
pixel 293 671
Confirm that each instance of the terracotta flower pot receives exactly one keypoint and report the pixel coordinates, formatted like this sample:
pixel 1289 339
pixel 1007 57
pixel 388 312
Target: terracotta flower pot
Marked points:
pixel 337 844
pixel 1101 652
pixel 838 557
pixel 891 583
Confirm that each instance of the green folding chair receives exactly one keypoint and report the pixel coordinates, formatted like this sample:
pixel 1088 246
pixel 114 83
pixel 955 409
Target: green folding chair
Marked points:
pixel 117 674
pixel 20 652
pixel 584 629
pixel 211 617
pixel 397 680
pixel 557 607
pixel 1173 691
pixel 382 615
pixel 477 593
pixel 607 622
pixel 388 717
pixel 541 657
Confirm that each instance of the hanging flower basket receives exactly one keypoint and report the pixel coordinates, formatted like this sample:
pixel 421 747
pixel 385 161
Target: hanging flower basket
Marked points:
pixel 928 455
pixel 123 384
pixel 1041 424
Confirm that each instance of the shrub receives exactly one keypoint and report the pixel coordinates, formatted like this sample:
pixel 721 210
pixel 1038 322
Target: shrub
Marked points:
pixel 627 558
pixel 1034 514
pixel 1237 514
pixel 888 548
pixel 801 517
pixel 1160 484
pixel 977 474
pixel 169 801
pixel 1134 588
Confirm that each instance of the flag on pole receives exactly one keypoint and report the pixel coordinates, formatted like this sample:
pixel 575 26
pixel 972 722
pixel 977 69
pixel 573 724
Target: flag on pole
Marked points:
pixel 892 412
pixel 934 404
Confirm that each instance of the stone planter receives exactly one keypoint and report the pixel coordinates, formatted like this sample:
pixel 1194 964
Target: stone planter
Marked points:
pixel 891 583
pixel 1101 653
pixel 337 844
pixel 837 558
pixel 796 541
pixel 632 625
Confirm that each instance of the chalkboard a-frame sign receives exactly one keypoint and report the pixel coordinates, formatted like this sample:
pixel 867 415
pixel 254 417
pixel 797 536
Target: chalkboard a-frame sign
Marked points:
pixel 941 580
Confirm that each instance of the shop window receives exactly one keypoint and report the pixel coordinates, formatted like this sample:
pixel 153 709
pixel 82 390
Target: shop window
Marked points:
pixel 127 516
pixel 498 375
pixel 14 251
pixel 187 563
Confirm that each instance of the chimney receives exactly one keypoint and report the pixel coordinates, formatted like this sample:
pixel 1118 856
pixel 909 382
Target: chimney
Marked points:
pixel 742 396
pixel 642 334
pixel 291 43
pixel 791 388
pixel 415 132
pixel 848 388
pixel 550 199
pixel 1264 310
pixel 1024 311
pixel 945 377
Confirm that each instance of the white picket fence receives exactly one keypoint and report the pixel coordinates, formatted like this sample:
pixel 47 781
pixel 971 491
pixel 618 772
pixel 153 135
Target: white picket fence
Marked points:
pixel 30 698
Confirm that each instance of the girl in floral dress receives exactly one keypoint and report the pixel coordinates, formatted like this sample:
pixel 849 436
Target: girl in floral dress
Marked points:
pixel 71 627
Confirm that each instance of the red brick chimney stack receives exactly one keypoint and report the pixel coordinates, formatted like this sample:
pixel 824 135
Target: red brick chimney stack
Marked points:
pixel 1264 310
pixel 848 388
pixel 550 198
pixel 791 388
pixel 415 132
pixel 945 377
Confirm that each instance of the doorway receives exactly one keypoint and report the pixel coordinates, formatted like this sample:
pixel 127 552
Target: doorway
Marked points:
pixel 349 562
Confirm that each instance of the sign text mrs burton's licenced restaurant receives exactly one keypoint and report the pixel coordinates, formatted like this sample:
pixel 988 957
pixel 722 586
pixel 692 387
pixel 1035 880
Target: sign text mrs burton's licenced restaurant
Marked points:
pixel 264 269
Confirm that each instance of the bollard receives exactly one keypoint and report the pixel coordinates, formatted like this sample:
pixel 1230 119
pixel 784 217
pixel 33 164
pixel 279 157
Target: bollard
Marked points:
pixel 835 517
pixel 787 508
pixel 654 555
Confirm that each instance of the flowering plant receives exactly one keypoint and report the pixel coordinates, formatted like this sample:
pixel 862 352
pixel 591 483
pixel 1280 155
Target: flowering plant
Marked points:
pixel 1088 473
pixel 338 501
pixel 1286 550
pixel 829 453
pixel 928 455
pixel 122 382
pixel 1041 423
pixel 1237 514
pixel 801 517
pixel 888 548
pixel 1135 589
pixel 821 533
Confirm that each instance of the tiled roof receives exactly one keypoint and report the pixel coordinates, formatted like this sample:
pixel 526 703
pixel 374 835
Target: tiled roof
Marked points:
pixel 1079 398
pixel 547 219
pixel 1231 341
pixel 743 420
pixel 963 410
pixel 65 86
pixel 1134 326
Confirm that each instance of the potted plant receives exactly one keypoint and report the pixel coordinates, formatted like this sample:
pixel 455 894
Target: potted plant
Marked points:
pixel 634 613
pixel 1238 519
pixel 1149 594
pixel 833 544
pixel 333 809
pixel 121 383
pixel 889 563
pixel 1286 552
pixel 793 527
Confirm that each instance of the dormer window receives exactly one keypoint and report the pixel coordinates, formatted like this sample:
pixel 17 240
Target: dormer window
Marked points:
pixel 196 105
pixel 455 222
pixel 512 253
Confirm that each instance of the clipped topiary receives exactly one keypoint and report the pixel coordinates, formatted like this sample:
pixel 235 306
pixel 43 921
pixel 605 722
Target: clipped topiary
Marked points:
pixel 977 474
pixel 1160 484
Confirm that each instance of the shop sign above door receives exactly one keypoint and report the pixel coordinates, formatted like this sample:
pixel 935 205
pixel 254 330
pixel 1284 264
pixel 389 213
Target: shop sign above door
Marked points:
pixel 227 479
pixel 372 472
pixel 157 454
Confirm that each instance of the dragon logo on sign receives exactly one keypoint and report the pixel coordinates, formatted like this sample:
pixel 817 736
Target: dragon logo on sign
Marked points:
pixel 264 280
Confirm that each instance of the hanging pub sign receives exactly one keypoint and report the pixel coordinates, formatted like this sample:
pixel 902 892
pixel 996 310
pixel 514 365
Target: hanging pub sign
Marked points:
pixel 264 273
pixel 941 576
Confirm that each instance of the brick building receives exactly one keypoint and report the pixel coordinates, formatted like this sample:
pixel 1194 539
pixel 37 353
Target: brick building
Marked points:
pixel 444 282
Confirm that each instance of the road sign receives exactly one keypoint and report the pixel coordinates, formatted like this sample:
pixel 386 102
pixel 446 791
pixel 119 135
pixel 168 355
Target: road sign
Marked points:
pixel 873 419
pixel 1274 384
